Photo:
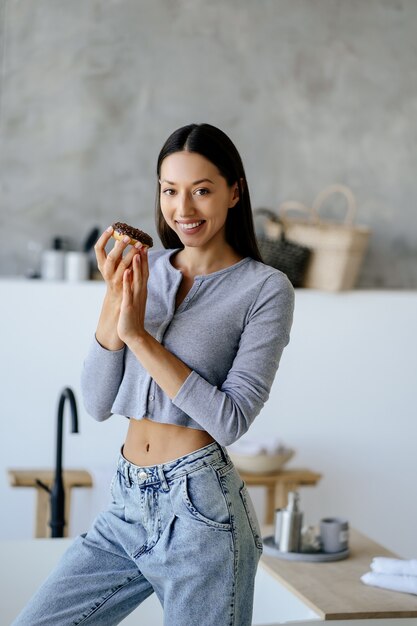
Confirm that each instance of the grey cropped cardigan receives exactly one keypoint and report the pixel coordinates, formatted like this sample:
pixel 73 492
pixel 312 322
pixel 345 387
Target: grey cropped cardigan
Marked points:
pixel 230 330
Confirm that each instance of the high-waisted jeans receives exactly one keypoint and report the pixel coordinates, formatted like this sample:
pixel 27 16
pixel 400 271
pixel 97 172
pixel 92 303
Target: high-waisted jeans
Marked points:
pixel 185 529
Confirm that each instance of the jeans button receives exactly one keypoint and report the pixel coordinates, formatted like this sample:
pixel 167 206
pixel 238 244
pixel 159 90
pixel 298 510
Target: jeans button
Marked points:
pixel 142 475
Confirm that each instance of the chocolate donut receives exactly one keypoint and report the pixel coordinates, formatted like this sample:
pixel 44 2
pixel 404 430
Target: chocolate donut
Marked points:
pixel 120 230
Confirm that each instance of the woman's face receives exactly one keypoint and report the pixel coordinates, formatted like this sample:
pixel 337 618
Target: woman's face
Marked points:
pixel 195 199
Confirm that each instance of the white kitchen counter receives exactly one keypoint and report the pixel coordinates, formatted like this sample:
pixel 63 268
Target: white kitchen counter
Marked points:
pixel 25 564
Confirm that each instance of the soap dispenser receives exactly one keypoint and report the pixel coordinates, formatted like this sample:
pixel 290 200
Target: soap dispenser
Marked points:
pixel 290 525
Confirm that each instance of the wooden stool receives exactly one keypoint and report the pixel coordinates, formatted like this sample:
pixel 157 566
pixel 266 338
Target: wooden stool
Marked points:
pixel 28 477
pixel 278 484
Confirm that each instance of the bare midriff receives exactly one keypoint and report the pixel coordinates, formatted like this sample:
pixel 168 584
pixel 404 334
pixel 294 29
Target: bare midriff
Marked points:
pixel 153 443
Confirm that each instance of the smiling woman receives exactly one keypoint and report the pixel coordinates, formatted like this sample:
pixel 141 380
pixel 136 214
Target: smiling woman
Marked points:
pixel 221 167
pixel 195 202
pixel 187 346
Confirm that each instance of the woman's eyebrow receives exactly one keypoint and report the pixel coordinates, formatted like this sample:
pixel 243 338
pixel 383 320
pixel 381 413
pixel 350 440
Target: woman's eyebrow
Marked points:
pixel 196 182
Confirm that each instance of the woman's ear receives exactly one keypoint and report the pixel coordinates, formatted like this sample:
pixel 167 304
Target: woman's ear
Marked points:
pixel 235 194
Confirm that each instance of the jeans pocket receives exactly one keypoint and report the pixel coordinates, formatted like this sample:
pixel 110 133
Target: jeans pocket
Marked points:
pixel 203 496
pixel 252 518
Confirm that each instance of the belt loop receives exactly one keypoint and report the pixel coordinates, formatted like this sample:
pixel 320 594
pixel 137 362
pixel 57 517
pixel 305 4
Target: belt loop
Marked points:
pixel 163 479
pixel 125 466
pixel 127 475
pixel 224 454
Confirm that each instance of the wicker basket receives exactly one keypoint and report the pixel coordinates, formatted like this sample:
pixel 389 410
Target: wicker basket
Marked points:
pixel 288 256
pixel 338 249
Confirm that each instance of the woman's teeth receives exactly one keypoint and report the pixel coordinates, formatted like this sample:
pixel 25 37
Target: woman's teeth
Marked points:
pixel 190 226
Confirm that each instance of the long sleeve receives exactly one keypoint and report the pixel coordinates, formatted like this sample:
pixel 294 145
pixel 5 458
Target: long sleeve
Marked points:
pixel 227 412
pixel 100 380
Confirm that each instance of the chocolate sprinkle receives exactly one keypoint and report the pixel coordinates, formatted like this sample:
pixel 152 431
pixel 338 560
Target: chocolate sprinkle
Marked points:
pixel 133 233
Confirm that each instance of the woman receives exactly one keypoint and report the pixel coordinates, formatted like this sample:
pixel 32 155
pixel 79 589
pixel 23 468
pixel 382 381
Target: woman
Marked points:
pixel 187 346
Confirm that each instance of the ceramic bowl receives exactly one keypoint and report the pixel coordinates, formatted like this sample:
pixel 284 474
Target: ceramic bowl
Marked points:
pixel 261 463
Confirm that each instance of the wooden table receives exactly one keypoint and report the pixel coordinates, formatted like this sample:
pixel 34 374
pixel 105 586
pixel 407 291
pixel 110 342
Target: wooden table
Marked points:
pixel 334 590
pixel 27 478
pixel 278 485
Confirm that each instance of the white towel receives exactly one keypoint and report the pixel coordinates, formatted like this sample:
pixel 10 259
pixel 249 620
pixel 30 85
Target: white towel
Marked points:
pixel 385 565
pixel 394 582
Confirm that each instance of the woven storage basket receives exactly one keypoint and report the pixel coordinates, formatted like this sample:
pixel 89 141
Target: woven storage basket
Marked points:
pixel 277 251
pixel 337 248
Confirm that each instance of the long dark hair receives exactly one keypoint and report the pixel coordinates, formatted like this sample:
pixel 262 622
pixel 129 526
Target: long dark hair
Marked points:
pixel 213 144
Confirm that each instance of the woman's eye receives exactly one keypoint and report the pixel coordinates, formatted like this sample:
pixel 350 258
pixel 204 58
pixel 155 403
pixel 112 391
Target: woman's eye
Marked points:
pixel 168 192
pixel 201 192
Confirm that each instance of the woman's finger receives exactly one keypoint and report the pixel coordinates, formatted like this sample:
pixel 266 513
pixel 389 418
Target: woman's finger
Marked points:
pixel 127 287
pixel 142 265
pixel 137 278
pixel 145 265
pixel 125 262
pixel 107 263
pixel 100 245
pixel 116 253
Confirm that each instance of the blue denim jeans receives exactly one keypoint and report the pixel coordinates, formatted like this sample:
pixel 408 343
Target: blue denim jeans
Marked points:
pixel 185 530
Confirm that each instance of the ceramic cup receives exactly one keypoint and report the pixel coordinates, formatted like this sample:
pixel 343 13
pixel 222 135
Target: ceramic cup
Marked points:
pixel 334 534
pixel 77 266
pixel 53 265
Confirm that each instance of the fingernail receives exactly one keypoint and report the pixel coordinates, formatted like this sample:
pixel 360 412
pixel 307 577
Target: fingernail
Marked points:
pixel 126 239
pixel 138 245
pixel 109 229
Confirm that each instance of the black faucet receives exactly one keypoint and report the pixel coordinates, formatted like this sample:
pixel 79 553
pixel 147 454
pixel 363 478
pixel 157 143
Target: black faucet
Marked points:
pixel 57 493
pixel 57 521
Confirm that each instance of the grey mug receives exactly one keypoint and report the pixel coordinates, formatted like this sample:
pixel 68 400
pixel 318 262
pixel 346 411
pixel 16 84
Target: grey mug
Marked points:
pixel 334 534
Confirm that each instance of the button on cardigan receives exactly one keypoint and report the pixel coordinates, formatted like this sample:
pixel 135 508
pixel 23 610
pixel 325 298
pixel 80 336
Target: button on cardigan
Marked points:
pixel 230 330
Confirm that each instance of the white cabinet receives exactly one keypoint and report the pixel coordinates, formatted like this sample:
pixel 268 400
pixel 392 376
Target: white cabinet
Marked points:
pixel 273 603
pixel 25 564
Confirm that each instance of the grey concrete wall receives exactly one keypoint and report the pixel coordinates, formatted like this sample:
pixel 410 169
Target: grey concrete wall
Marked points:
pixel 311 91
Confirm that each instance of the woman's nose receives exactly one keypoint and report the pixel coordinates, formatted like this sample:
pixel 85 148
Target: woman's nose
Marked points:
pixel 185 204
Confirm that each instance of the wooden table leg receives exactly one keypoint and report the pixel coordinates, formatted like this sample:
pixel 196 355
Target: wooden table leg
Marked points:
pixel 67 510
pixel 282 490
pixel 270 504
pixel 42 513
pixel 281 495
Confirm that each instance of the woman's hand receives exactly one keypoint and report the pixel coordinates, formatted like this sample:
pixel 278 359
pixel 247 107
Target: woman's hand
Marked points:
pixel 167 370
pixel 131 323
pixel 113 265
